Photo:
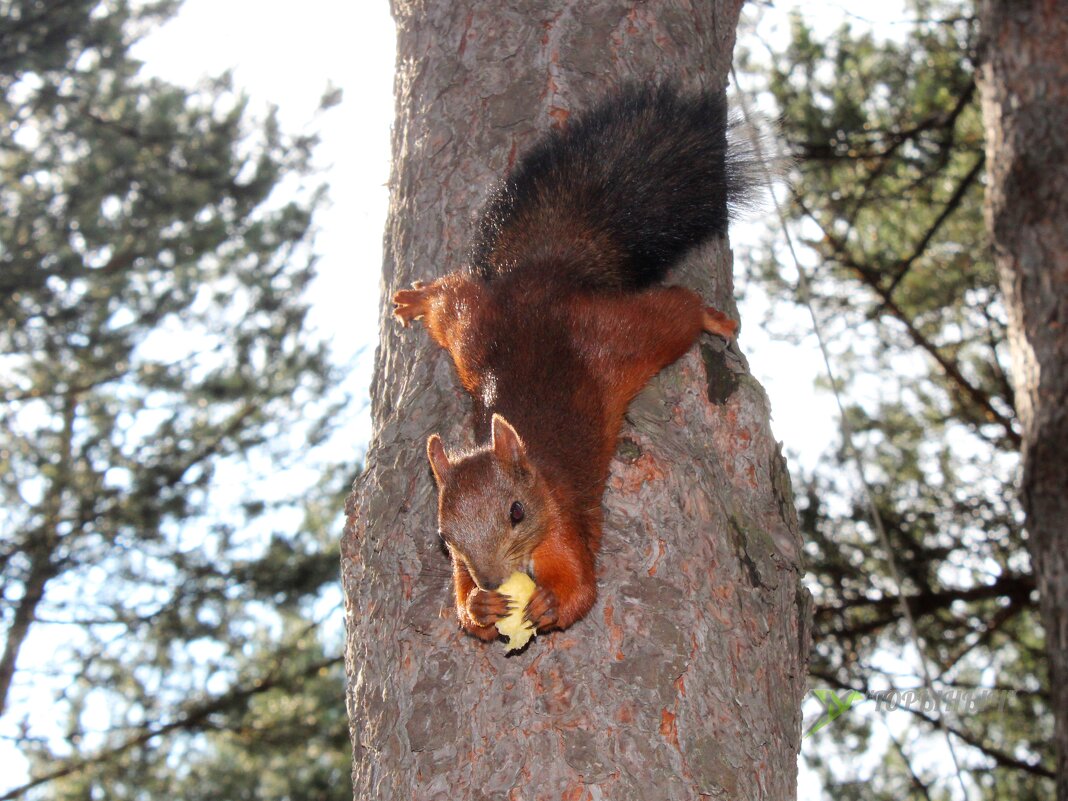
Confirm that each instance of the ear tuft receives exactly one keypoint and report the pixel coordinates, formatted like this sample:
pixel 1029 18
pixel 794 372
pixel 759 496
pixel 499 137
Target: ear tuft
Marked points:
pixel 439 460
pixel 507 446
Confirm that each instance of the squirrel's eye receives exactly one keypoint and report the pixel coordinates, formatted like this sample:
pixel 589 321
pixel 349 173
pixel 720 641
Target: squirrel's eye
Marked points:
pixel 517 512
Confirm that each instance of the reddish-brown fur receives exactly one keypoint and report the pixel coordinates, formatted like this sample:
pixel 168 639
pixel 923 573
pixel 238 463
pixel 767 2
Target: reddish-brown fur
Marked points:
pixel 551 370
pixel 558 323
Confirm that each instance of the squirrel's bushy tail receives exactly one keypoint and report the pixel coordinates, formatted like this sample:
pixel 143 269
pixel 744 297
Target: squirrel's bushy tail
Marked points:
pixel 620 194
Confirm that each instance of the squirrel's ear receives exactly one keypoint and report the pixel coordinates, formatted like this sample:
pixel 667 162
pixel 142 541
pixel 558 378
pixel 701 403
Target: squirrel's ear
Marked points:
pixel 507 446
pixel 439 460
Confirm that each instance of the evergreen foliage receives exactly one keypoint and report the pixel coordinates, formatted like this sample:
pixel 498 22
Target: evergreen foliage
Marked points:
pixel 887 137
pixel 164 553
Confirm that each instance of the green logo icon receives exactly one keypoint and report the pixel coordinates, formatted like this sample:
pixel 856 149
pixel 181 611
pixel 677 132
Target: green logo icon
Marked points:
pixel 833 707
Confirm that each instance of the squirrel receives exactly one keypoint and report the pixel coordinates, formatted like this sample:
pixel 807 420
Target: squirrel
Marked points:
pixel 555 323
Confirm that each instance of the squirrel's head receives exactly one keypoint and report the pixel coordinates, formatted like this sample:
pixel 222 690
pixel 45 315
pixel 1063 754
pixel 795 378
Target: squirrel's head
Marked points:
pixel 492 505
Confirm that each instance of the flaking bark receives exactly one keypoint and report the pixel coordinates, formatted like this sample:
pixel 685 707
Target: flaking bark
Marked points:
pixel 687 677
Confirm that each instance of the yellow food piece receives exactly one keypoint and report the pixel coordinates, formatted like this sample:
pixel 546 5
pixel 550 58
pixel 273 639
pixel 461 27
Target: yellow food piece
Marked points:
pixel 518 588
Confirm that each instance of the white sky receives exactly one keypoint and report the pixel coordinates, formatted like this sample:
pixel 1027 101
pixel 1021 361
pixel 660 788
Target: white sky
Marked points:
pixel 286 54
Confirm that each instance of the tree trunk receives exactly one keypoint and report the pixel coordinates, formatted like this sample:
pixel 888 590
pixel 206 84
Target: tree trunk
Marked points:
pixel 1024 81
pixel 686 679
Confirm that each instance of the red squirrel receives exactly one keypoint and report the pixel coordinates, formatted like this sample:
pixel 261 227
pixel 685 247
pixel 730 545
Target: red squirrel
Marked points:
pixel 554 324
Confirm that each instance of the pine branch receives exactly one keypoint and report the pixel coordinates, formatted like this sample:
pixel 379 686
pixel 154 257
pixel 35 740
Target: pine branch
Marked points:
pixel 873 280
pixel 917 782
pixel 1016 587
pixel 195 718
pixel 1003 759
pixel 809 151
pixel 951 206
pixel 44 566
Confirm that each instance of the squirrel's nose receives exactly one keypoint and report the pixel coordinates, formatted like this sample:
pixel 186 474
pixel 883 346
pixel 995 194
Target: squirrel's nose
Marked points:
pixel 487 584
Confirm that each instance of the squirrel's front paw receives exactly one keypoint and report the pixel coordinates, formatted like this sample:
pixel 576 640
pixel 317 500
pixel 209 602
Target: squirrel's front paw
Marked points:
pixel 486 608
pixel 541 609
pixel 411 304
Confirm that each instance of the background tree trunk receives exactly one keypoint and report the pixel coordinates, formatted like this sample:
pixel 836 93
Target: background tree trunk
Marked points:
pixel 1024 82
pixel 687 677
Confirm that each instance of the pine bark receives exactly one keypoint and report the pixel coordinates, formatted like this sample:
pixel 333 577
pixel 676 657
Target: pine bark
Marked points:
pixel 1024 82
pixel 687 677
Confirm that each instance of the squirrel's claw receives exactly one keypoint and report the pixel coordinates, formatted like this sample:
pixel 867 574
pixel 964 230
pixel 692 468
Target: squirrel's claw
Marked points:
pixel 410 304
pixel 541 609
pixel 486 608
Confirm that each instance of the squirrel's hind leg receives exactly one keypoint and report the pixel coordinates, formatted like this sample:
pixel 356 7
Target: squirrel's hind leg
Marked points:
pixel 631 337
pixel 716 322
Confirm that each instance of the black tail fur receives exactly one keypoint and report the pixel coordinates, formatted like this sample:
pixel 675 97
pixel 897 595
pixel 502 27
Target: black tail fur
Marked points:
pixel 620 195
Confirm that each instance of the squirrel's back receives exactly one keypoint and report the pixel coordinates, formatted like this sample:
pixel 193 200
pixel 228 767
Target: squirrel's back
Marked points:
pixel 619 195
